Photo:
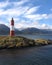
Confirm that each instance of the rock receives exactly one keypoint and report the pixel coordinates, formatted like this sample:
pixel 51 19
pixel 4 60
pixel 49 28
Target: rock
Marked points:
pixel 18 41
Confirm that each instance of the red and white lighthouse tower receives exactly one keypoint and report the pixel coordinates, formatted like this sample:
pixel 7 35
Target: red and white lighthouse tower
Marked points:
pixel 12 27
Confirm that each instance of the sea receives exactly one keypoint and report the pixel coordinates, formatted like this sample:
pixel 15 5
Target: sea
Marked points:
pixel 48 36
pixel 28 56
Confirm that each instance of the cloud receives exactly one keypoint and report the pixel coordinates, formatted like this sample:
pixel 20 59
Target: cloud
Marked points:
pixel 19 3
pixel 45 26
pixel 7 23
pixel 24 11
pixel 26 24
pixel 32 10
pixel 16 10
pixel 4 4
pixel 37 16
pixel 50 16
pixel 24 16
pixel 36 24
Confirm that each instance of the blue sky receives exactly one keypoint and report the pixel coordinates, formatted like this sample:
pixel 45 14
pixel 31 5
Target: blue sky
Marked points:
pixel 27 13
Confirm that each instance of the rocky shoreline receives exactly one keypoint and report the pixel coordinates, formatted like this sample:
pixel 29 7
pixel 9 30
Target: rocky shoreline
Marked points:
pixel 8 42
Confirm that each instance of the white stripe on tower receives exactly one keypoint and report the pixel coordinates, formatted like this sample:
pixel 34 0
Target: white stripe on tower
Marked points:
pixel 12 28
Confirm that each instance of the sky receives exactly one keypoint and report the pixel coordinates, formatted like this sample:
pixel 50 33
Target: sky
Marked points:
pixel 27 13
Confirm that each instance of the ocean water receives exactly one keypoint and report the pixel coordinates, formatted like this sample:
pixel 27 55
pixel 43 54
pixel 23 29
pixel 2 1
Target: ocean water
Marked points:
pixel 34 36
pixel 27 56
pixel 37 36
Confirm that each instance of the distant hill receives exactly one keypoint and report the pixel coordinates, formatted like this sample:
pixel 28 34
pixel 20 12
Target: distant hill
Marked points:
pixel 46 31
pixel 36 31
pixel 30 31
pixel 5 30
pixel 17 31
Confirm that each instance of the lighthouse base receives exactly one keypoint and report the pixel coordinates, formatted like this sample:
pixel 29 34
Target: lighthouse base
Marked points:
pixel 11 33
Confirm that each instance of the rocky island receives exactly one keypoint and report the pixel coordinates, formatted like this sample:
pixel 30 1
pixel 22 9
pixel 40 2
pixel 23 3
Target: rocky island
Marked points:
pixel 18 42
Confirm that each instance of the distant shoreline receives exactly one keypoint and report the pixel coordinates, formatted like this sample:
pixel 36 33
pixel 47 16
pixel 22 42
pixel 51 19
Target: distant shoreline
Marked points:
pixel 31 34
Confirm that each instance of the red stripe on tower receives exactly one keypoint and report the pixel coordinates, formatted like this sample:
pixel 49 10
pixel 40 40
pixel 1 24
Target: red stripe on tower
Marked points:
pixel 12 28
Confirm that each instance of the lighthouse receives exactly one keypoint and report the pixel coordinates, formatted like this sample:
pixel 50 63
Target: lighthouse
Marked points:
pixel 12 27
